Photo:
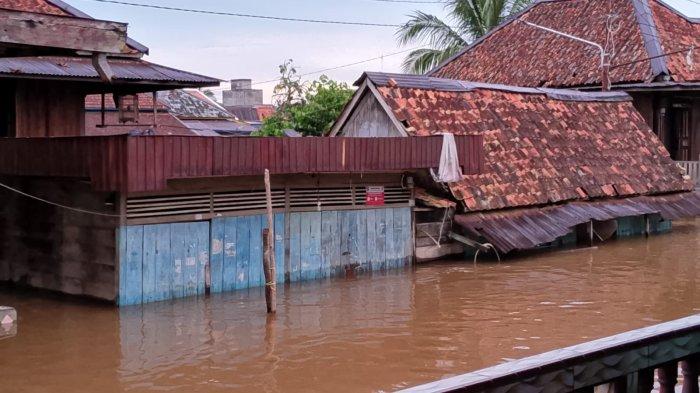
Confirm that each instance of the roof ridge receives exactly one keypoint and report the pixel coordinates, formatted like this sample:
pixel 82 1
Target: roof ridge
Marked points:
pixel 650 37
pixel 426 82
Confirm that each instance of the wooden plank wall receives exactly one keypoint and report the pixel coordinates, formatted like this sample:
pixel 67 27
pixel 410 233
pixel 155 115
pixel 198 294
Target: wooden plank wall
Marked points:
pixel 146 163
pixel 164 261
pixel 167 261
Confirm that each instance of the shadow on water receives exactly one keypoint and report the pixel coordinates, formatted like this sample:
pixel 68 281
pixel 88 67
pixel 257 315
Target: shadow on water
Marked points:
pixel 364 334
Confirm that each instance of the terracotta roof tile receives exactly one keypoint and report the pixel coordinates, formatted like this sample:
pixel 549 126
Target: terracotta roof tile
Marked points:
pixel 539 149
pixel 518 54
pixel 38 6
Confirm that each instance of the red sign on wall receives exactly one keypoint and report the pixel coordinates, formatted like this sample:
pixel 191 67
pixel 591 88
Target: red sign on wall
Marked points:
pixel 374 195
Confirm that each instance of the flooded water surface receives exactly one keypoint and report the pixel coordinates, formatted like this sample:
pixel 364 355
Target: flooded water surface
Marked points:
pixel 368 334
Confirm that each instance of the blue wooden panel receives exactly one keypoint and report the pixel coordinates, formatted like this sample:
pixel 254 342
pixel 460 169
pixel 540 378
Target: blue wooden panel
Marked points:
pixel 216 261
pixel 310 245
pixel 133 284
pixel 242 252
pixel 121 243
pixel 190 268
pixel 229 268
pixel 381 239
pixel 407 222
pixel 279 247
pixel 178 247
pixel 336 262
pixel 257 276
pixel 346 238
pixel 306 263
pixel 360 244
pixel 372 235
pixel 392 258
pixel 149 263
pixel 164 263
pixel 330 246
pixel 295 246
pixel 201 230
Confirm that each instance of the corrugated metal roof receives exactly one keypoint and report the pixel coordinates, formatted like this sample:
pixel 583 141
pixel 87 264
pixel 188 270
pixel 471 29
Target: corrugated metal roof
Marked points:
pixel 81 67
pixel 219 127
pixel 528 228
pixel 430 83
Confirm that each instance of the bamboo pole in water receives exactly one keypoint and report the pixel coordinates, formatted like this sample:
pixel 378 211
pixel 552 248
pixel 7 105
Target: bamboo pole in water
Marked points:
pixel 268 253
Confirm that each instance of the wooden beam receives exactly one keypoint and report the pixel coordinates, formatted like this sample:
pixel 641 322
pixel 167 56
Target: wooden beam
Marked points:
pixel 61 32
pixel 269 251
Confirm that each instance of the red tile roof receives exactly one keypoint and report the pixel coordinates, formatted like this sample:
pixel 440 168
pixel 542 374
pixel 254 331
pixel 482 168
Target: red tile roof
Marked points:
pixel 541 145
pixel 38 6
pixel 522 55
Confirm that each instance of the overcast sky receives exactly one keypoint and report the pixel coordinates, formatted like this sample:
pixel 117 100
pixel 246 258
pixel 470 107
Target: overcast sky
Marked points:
pixel 229 47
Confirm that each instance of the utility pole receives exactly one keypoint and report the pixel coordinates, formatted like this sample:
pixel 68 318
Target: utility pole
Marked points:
pixel 604 56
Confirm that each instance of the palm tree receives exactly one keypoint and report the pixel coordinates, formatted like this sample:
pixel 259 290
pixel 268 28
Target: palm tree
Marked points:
pixel 468 20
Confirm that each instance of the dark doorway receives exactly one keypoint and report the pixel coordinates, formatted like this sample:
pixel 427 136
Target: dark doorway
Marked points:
pixel 681 137
pixel 7 109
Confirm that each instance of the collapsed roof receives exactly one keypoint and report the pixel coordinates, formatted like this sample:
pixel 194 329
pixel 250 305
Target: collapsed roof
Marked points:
pixel 517 54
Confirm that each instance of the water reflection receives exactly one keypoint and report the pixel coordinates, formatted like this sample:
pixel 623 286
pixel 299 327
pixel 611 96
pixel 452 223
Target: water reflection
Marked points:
pixel 375 334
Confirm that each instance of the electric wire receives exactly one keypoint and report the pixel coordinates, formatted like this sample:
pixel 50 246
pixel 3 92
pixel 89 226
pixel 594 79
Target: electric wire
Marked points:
pixel 75 209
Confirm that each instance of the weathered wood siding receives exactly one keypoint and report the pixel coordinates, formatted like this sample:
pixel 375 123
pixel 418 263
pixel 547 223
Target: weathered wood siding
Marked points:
pixel 369 120
pixel 45 108
pixel 167 261
pixel 52 248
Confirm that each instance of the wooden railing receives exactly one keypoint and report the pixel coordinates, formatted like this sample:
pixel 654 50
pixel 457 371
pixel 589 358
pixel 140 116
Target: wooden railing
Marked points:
pixel 692 169
pixel 625 363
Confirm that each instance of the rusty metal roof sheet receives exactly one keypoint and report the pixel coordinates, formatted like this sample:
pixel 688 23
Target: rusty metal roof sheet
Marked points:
pixel 125 70
pixel 425 82
pixel 522 229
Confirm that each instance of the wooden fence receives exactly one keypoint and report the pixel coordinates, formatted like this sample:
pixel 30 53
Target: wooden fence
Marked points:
pixel 692 169
pixel 622 363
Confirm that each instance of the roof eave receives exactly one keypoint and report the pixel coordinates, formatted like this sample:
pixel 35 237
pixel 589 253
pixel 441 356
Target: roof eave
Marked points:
pixel 76 12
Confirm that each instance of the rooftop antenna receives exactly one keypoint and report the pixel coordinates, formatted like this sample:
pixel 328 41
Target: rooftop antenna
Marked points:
pixel 604 56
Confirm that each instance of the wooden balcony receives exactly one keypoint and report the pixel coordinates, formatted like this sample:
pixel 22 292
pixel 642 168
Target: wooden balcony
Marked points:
pixel 138 164
pixel 625 362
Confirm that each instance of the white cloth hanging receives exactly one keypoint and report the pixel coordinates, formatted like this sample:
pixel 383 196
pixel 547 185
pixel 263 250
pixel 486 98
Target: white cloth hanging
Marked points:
pixel 449 171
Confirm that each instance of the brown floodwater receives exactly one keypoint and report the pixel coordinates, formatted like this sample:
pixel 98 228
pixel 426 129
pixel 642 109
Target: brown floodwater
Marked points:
pixel 374 333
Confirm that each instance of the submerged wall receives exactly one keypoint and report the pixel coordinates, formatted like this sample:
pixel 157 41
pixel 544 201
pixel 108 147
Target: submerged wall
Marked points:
pixel 48 247
pixel 167 261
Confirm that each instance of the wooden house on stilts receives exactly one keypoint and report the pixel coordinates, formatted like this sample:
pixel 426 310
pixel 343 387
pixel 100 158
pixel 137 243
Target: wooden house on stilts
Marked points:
pixel 139 218
pixel 557 163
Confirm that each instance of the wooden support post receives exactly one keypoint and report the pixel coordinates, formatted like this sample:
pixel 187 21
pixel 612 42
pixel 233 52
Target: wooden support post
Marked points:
pixel 269 252
pixel 590 233
pixel 646 225
pixel 690 369
pixel 155 109
pixel 642 381
pixel 102 111
pixel 668 377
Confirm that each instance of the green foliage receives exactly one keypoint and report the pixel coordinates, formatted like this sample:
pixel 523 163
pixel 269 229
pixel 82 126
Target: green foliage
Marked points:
pixel 468 20
pixel 309 109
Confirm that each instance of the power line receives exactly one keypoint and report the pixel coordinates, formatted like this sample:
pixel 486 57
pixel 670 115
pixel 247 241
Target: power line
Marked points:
pixel 242 15
pixel 330 68
pixel 75 209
